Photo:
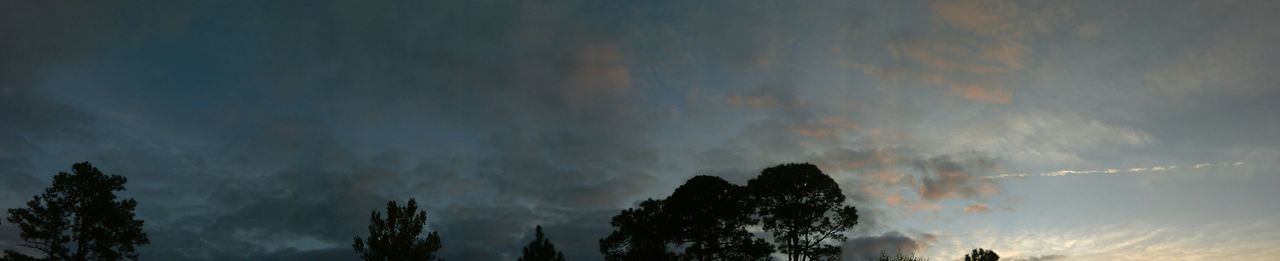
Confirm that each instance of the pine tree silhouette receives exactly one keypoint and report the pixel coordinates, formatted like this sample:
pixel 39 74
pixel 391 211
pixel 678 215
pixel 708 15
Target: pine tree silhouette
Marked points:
pixel 541 249
pixel 804 209
pixel 397 238
pixel 79 218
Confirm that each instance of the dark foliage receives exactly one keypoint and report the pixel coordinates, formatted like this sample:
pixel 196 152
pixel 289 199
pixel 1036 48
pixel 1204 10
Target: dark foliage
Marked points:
pixel 541 249
pixel 804 210
pixel 982 255
pixel 711 216
pixel 398 237
pixel 80 218
pixel 639 235
pixel 704 219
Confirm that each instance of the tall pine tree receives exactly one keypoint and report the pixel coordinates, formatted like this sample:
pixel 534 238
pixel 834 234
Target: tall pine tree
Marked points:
pixel 804 209
pixel 541 249
pixel 80 218
pixel 399 236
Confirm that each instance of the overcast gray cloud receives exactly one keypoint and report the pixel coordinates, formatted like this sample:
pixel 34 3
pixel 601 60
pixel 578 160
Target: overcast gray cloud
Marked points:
pixel 270 130
pixel 891 244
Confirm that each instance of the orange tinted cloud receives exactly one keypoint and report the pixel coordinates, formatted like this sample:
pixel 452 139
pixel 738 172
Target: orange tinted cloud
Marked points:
pixel 828 128
pixel 897 75
pixel 977 208
pixel 925 206
pixel 598 77
pixel 982 94
pixel 753 101
pixel 600 69
pixel 947 57
pixel 840 122
pixel 889 177
pixel 894 200
pixel 984 17
pixel 1009 54
pixel 1088 31
pixel 818 132
pixel 978 43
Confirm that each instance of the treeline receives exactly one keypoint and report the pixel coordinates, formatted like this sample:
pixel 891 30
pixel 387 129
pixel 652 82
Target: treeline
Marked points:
pixel 707 219
pixel 801 209
pixel 973 255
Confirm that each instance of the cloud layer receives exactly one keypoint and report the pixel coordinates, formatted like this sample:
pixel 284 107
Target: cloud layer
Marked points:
pixel 254 131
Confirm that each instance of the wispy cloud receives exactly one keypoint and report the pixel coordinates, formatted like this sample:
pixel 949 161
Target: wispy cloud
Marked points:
pixel 973 48
pixel 1234 240
pixel 1070 172
pixel 1049 138
pixel 1236 59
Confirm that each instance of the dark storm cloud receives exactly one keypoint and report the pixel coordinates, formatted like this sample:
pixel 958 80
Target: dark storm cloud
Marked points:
pixel 270 130
pixel 326 254
pixel 880 176
pixel 892 243
pixel 579 234
pixel 278 188
pixel 291 183
pixel 1044 258
pixel 27 116
pixel 950 177
pixel 795 130
pixel 499 232
pixel 18 184
pixel 547 96
pixel 760 140
pixel 483 233
pixel 39 37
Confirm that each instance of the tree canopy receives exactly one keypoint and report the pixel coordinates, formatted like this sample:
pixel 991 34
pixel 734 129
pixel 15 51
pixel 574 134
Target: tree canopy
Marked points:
pixel 704 219
pixel 804 210
pixel 981 255
pixel 541 249
pixel 707 217
pixel 711 215
pixel 639 235
pixel 398 237
pixel 79 218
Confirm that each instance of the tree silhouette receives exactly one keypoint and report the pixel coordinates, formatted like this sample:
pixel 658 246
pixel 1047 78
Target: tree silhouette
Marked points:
pixel 706 219
pixel 711 216
pixel 640 234
pixel 981 255
pixel 79 218
pixel 541 249
pixel 803 209
pixel 397 238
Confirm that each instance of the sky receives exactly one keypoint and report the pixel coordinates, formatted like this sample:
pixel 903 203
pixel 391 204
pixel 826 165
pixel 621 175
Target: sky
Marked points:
pixel 269 130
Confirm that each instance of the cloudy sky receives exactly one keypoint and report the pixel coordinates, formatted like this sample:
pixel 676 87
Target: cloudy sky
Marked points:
pixel 268 130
